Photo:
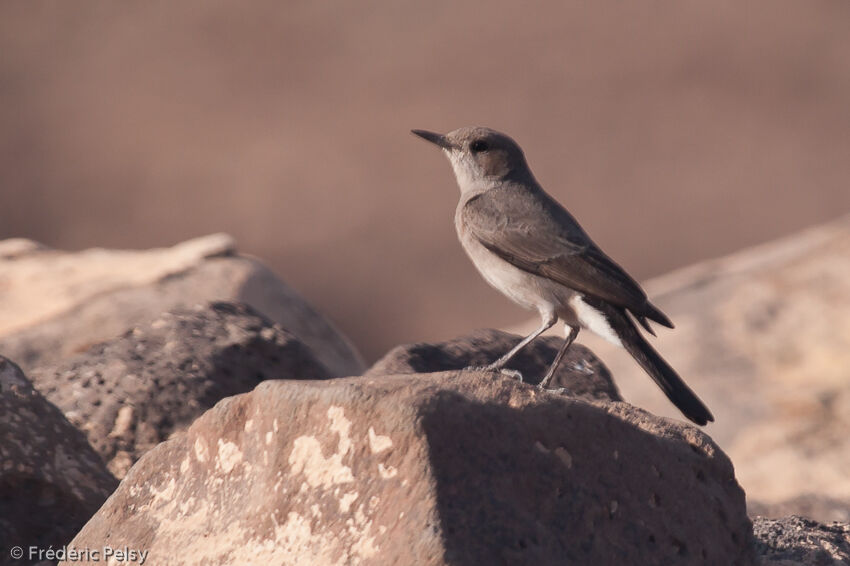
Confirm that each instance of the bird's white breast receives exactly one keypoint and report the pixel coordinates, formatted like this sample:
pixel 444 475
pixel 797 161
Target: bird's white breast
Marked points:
pixel 525 289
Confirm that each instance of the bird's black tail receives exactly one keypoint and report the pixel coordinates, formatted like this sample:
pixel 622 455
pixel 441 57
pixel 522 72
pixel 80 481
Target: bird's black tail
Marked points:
pixel 660 371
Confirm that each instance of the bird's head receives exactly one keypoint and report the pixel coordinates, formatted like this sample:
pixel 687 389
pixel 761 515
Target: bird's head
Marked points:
pixel 479 155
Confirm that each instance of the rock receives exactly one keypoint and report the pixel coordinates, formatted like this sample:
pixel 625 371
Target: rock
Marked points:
pixel 827 509
pixel 580 372
pixel 51 481
pixel 132 392
pixel 763 336
pixel 459 468
pixel 57 303
pixel 796 541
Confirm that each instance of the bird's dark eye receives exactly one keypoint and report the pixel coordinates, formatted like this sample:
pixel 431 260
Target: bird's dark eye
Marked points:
pixel 479 145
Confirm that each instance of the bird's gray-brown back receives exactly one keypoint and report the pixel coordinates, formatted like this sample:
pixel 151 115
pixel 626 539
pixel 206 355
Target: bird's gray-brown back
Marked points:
pixel 523 225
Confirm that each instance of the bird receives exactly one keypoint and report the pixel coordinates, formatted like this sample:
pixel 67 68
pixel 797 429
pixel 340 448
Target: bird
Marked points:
pixel 526 245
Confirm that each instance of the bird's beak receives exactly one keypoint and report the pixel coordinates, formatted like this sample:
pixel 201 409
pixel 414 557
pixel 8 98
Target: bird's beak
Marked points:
pixel 437 139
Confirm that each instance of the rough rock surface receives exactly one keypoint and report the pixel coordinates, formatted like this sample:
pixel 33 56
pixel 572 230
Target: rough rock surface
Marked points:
pixel 57 303
pixel 51 481
pixel 131 393
pixel 796 541
pixel 459 468
pixel 763 336
pixel 580 372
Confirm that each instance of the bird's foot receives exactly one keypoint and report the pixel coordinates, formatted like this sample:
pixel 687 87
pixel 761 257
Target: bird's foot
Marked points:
pixel 554 389
pixel 516 374
pixel 504 371
pixel 544 385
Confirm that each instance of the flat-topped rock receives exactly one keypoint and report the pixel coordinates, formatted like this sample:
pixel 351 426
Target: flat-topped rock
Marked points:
pixel 460 468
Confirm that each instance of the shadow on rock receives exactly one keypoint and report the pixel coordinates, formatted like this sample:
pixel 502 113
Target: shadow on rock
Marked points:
pixel 558 483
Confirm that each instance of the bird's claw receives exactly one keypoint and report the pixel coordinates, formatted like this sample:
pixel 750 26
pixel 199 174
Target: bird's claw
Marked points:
pixel 512 373
pixel 504 371
pixel 552 390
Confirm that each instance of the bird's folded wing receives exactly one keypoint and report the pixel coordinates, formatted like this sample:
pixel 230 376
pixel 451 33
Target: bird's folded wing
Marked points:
pixel 535 234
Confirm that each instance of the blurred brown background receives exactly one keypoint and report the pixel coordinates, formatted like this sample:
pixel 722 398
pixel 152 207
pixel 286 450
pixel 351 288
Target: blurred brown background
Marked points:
pixel 675 131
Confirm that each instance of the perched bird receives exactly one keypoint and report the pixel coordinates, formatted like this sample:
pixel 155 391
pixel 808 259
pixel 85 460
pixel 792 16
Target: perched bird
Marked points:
pixel 526 245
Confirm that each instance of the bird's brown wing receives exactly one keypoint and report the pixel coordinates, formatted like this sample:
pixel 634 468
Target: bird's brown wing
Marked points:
pixel 530 230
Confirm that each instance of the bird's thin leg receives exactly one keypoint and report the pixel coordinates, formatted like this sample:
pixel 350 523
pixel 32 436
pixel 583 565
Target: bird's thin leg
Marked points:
pixel 549 319
pixel 560 355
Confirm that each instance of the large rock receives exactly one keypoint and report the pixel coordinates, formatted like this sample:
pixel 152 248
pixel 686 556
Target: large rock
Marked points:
pixel 51 481
pixel 132 392
pixel 796 541
pixel 57 303
pixel 763 336
pixel 580 372
pixel 460 468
